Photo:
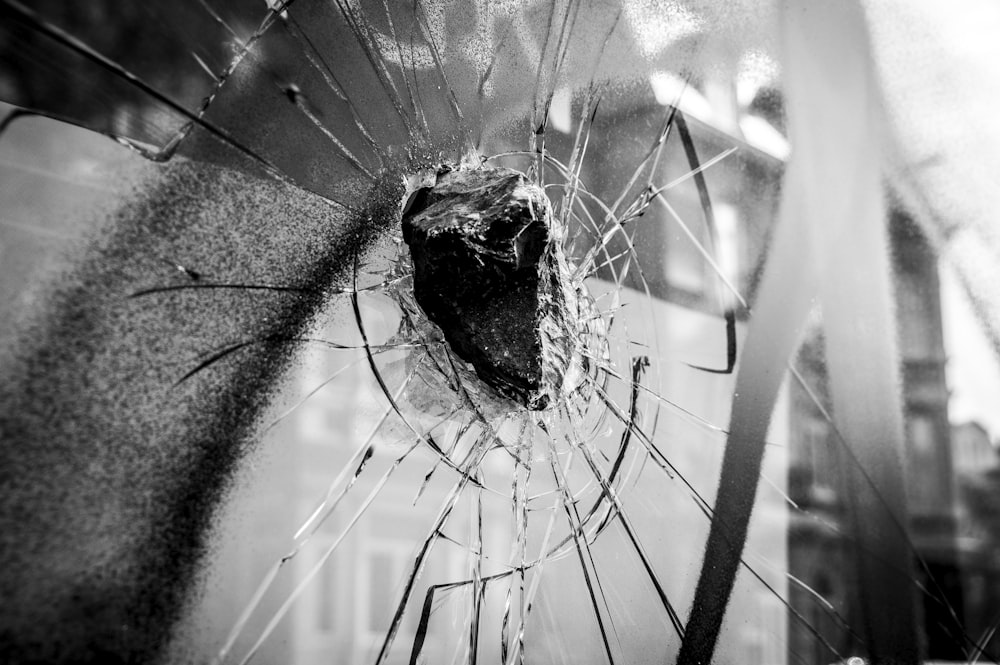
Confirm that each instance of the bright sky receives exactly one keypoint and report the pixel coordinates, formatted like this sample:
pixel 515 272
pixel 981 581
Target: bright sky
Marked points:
pixel 973 371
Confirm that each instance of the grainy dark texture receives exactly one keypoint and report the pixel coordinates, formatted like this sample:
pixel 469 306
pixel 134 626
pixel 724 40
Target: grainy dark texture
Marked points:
pixel 112 462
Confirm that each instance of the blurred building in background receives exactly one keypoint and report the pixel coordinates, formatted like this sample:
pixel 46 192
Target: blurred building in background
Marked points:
pixel 977 482
pixel 820 543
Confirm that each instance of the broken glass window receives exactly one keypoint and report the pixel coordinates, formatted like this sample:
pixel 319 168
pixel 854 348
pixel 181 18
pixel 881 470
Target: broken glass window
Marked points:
pixel 450 298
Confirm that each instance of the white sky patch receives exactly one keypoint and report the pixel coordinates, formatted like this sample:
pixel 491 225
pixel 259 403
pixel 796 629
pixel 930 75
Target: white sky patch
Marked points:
pixel 761 134
pixel 972 370
pixel 756 70
pixel 670 89
pixel 657 25
pixel 727 220
pixel 561 111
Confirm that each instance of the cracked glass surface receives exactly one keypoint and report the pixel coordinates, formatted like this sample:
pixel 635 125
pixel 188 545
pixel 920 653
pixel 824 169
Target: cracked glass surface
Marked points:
pixel 397 507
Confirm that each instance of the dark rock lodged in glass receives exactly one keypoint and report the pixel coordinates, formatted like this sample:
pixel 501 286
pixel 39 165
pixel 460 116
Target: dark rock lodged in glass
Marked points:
pixel 488 274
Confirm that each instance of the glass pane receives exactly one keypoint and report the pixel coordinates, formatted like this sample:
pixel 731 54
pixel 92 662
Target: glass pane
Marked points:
pixel 452 332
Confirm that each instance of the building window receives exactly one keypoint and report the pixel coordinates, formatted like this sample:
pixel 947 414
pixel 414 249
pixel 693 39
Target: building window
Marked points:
pixel 923 483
